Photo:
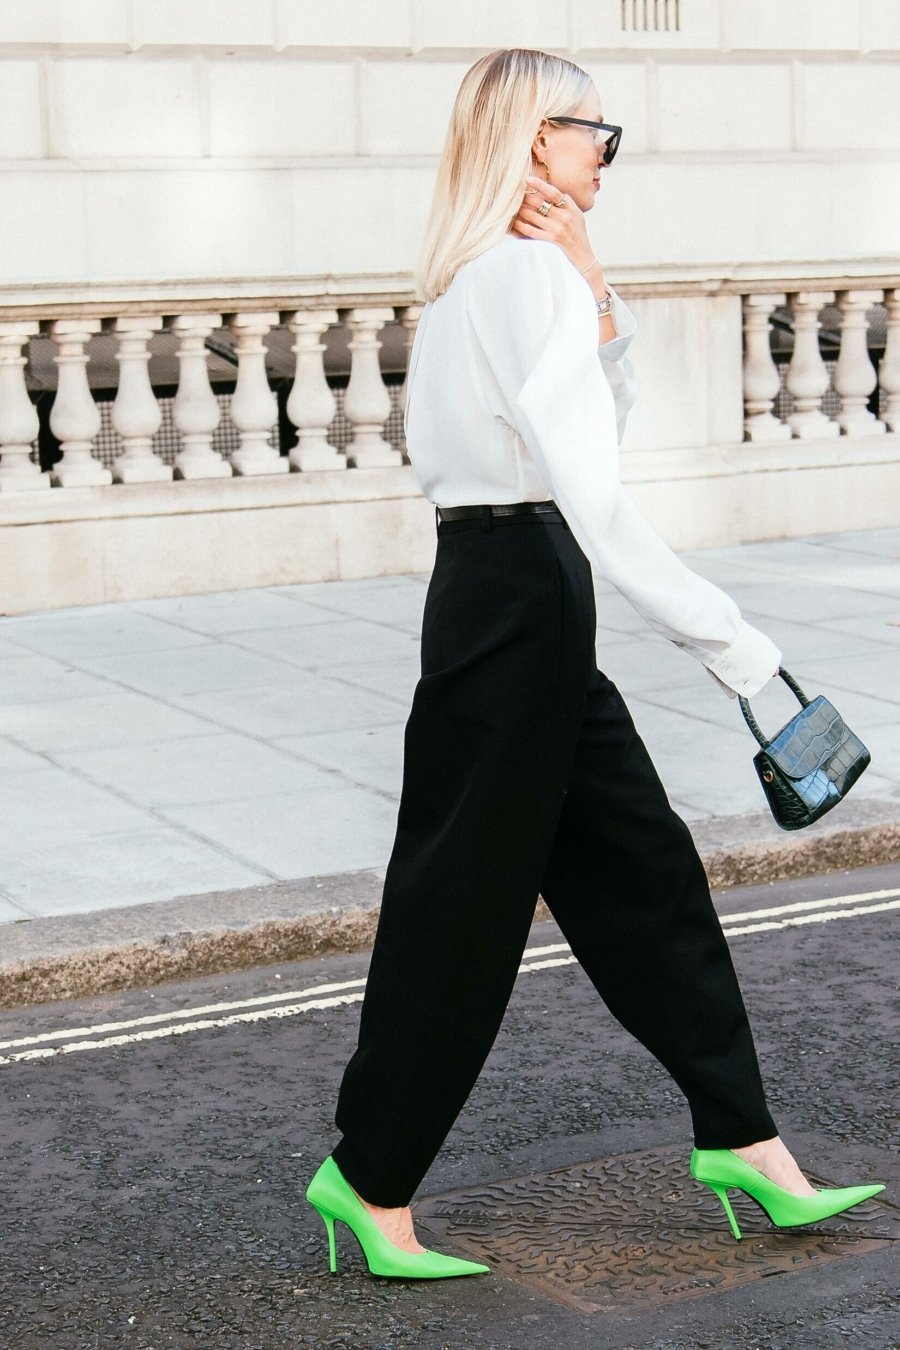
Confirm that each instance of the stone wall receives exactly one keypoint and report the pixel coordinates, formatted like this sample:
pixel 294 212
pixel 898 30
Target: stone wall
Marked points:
pixel 178 139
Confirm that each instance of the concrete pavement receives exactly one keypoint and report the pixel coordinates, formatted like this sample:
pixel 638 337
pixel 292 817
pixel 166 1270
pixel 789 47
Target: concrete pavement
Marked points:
pixel 178 775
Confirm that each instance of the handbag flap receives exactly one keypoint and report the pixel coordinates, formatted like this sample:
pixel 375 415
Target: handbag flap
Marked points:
pixel 808 740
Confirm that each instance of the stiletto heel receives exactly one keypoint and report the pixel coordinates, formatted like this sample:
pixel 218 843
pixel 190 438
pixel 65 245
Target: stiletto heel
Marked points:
pixel 719 1169
pixel 328 1220
pixel 334 1198
pixel 722 1193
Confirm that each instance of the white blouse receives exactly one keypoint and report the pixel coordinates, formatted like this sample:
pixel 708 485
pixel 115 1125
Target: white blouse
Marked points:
pixel 507 402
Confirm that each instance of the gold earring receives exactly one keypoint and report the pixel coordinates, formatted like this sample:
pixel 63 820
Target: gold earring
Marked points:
pixel 547 168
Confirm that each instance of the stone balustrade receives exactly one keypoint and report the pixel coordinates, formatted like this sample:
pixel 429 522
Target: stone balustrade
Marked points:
pixel 196 412
pixel 311 405
pixel 854 378
pixel 184 443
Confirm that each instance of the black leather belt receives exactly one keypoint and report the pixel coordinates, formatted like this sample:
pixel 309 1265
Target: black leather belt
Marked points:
pixel 512 509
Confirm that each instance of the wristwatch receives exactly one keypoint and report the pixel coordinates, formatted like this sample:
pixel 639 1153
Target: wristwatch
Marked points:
pixel 604 306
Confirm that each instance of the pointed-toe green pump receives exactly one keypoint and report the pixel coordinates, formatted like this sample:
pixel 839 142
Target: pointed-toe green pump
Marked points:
pixel 720 1169
pixel 334 1198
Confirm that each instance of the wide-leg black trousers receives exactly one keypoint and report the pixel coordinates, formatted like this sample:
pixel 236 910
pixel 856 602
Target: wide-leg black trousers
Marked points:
pixel 524 774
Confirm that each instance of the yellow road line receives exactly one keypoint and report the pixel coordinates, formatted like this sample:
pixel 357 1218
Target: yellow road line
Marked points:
pixel 266 1006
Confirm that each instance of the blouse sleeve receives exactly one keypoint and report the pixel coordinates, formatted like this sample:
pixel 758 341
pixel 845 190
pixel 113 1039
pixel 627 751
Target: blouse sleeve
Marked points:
pixel 535 322
pixel 617 366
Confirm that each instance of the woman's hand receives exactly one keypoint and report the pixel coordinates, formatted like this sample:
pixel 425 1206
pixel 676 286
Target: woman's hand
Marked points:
pixel 564 225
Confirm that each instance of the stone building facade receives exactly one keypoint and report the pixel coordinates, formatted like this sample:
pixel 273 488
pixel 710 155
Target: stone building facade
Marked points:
pixel 211 211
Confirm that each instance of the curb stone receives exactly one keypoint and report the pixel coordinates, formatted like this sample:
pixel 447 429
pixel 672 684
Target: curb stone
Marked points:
pixel 109 950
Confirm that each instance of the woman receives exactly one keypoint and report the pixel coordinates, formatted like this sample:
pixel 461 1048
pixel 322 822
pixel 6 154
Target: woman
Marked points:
pixel 523 772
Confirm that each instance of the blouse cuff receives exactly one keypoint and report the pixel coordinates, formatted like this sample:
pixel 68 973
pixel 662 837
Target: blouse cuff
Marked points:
pixel 748 663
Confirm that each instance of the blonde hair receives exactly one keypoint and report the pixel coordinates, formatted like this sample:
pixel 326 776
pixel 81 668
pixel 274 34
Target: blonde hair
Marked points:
pixel 487 155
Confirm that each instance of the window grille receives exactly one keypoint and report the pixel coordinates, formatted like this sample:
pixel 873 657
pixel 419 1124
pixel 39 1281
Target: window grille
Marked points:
pixel 651 16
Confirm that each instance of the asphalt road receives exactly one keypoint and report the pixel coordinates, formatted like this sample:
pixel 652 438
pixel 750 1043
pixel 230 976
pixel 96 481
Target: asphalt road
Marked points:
pixel 153 1182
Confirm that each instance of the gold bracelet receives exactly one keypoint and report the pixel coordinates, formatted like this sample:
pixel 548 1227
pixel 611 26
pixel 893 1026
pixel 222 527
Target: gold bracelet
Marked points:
pixel 594 263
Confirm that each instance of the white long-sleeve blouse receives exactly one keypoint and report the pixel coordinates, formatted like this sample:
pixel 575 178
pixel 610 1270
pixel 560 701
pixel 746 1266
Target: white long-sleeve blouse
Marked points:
pixel 507 401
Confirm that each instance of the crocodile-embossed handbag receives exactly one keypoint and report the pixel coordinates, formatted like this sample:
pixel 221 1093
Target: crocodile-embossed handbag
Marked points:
pixel 810 764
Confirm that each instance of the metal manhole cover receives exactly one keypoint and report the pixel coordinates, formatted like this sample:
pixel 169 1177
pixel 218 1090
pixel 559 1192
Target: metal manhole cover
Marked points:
pixel 635 1231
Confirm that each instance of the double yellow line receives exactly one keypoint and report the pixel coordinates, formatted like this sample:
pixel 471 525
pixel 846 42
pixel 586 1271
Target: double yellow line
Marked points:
pixel 107 1035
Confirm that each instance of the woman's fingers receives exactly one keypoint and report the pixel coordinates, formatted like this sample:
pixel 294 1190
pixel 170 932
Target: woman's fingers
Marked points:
pixel 535 216
pixel 554 225
pixel 537 187
pixel 524 228
pixel 546 207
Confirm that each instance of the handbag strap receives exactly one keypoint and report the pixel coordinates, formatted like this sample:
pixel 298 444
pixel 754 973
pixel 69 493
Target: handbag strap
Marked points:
pixel 751 720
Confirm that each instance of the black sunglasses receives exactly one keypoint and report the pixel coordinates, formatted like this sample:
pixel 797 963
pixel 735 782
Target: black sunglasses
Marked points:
pixel 612 140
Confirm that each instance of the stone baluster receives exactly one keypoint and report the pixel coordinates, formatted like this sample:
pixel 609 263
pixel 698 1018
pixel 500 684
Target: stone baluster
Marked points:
pixel 136 414
pixel 807 377
pixel 889 367
pixel 311 405
pixel 854 374
pixel 19 423
pixel 367 403
pixel 761 382
pixel 74 416
pixel 195 410
pixel 254 408
pixel 409 319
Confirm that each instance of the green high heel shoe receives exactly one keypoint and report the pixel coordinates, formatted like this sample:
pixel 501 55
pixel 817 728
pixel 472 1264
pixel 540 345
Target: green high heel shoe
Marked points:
pixel 719 1169
pixel 334 1198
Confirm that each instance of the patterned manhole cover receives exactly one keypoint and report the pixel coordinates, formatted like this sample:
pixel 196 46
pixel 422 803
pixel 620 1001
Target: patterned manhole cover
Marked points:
pixel 633 1232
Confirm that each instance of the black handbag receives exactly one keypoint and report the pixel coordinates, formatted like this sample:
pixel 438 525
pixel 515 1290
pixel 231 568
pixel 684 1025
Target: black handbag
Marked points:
pixel 810 764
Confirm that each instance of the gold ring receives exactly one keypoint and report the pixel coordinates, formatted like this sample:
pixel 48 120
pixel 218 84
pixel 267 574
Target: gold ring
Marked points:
pixel 544 207
pixel 563 199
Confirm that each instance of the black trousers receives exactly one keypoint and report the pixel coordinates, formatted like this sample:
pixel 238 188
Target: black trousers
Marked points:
pixel 524 774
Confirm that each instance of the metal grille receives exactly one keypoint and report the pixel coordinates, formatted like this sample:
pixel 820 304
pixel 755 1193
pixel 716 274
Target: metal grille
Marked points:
pixel 651 16
pixel 167 442
pixel 633 1232
pixel 781 335
pixel 831 400
pixel 226 439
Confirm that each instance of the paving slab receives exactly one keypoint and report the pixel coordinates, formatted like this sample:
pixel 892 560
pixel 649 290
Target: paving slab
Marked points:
pixel 41 807
pixel 72 635
pixel 327 827
pixel 220 767
pixel 369 756
pixel 30 679
pixel 16 759
pixel 234 611
pixel 146 863
pixel 342 642
pixel 396 678
pixel 115 717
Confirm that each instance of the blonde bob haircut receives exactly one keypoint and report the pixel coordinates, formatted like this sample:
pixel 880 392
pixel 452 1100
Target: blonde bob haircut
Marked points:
pixel 487 155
